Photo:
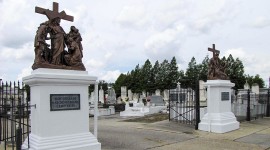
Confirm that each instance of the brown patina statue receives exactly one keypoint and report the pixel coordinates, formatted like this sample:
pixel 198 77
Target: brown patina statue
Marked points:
pixel 216 68
pixel 55 56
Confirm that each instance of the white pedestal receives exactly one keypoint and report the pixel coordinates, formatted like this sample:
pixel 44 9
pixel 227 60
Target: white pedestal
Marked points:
pixel 61 129
pixel 219 118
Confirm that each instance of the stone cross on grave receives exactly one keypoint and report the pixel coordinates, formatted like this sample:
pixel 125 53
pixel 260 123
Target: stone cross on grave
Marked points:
pixel 213 50
pixel 51 14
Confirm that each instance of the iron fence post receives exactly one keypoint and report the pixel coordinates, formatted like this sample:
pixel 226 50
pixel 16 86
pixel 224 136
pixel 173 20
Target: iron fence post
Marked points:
pixel 19 138
pixel 248 105
pixel 268 103
pixel 197 105
pixel 169 106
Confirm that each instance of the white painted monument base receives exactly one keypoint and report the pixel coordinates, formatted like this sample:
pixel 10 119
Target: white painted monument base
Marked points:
pixel 83 141
pixel 56 129
pixel 219 118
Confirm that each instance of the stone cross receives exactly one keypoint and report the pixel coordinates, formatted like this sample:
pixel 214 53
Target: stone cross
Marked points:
pixel 213 50
pixel 51 14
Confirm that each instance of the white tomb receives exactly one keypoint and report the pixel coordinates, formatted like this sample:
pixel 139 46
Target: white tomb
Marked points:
pixel 101 95
pixel 60 119
pixel 139 109
pixel 219 118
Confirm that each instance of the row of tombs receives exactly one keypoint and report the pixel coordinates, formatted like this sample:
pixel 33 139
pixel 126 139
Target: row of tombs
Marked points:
pixel 134 104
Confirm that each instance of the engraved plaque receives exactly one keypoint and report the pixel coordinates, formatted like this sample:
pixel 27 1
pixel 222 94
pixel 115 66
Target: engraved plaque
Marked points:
pixel 225 96
pixel 59 102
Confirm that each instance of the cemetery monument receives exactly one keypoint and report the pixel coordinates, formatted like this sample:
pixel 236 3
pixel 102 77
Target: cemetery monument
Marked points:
pixel 59 88
pixel 219 118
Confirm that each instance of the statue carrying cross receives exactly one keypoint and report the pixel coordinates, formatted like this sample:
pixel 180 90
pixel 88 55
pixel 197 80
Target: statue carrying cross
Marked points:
pixel 216 68
pixel 55 56
pixel 51 14
pixel 213 50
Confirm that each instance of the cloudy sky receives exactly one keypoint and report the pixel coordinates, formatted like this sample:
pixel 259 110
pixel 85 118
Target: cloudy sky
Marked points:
pixel 119 34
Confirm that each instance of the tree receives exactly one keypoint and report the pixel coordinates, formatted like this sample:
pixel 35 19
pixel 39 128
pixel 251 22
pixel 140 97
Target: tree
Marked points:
pixel 257 79
pixel 154 76
pixel 145 78
pixel 163 75
pixel 192 73
pixel 235 71
pixel 173 74
pixel 203 69
pixel 120 81
pixel 135 80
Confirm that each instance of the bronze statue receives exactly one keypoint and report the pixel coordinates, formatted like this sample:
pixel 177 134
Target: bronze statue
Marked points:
pixel 40 43
pixel 216 68
pixel 55 56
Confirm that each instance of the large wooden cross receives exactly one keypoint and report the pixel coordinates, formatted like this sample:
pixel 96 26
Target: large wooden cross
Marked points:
pixel 51 14
pixel 214 50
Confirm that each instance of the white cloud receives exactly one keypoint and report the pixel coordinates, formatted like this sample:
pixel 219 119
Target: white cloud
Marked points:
pixel 24 72
pixel 23 53
pixel 132 16
pixel 164 45
pixel 261 22
pixel 93 63
pixel 253 64
pixel 110 76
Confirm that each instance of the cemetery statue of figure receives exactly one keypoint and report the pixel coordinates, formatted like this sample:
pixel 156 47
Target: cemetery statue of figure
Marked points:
pixel 74 56
pixel 216 69
pixel 57 35
pixel 41 47
pixel 55 56
pixel 76 36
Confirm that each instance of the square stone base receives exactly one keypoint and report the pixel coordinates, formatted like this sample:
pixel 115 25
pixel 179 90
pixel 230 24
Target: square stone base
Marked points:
pixel 219 122
pixel 83 141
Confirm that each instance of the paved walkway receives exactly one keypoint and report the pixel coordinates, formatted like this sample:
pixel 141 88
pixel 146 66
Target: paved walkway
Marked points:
pixel 115 134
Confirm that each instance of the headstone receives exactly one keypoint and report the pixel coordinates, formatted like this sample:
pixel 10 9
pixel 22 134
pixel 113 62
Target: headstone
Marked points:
pixel 101 95
pixel 143 94
pixel 112 110
pixel 130 95
pixel 157 92
pixel 166 95
pixel 136 97
pixel 255 88
pixel 157 100
pixel 111 96
pixel 246 86
pixel 203 96
pixel 119 100
pixel 123 93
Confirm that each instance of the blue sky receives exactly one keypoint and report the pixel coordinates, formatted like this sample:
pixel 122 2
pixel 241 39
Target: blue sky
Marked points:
pixel 119 34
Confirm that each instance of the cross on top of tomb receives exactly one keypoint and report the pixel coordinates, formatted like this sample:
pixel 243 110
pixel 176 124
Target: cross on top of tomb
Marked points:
pixel 214 50
pixel 51 14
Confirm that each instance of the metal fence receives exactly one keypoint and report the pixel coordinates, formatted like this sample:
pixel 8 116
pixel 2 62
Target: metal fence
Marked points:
pixel 14 115
pixel 184 106
pixel 249 105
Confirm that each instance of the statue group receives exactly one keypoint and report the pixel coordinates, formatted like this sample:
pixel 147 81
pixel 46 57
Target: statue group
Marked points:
pixel 65 49
pixel 216 68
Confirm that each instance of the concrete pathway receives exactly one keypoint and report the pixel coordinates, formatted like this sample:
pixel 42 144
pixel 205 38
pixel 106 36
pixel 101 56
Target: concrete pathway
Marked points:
pixel 114 134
